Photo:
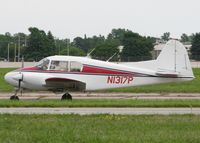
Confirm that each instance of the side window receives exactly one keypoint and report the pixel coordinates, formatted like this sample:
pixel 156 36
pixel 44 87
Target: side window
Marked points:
pixel 59 65
pixel 76 66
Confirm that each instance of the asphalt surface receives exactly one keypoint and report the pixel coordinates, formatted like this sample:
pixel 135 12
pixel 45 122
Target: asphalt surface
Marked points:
pixel 92 95
pixel 88 111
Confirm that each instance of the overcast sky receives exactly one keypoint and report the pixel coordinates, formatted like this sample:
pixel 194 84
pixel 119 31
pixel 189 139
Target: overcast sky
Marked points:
pixel 71 18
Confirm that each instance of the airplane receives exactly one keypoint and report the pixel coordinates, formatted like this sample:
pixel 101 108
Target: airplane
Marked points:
pixel 73 73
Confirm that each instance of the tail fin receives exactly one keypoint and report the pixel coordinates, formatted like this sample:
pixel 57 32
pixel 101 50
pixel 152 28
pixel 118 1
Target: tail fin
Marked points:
pixel 174 60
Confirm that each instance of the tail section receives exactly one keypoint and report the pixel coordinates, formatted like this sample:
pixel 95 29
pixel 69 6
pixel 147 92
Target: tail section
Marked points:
pixel 173 60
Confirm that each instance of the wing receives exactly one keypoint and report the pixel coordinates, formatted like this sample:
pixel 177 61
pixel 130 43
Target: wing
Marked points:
pixel 56 83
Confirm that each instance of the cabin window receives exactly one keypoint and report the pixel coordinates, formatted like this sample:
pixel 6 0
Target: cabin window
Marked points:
pixel 76 66
pixel 43 64
pixel 59 65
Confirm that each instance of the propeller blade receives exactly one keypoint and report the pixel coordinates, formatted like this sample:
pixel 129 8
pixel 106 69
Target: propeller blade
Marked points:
pixel 19 83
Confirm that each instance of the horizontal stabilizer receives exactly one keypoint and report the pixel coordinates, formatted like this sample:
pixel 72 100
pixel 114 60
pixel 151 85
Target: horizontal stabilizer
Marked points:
pixel 167 74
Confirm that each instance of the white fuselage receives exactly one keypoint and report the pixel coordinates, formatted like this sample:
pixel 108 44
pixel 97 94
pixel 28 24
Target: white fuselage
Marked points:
pixel 95 74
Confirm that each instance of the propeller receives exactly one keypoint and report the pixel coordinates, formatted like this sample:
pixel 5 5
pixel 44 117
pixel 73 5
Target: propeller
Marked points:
pixel 20 79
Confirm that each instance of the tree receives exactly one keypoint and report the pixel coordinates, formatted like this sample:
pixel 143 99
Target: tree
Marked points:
pixel 117 34
pixel 40 44
pixel 166 36
pixel 136 47
pixel 105 50
pixel 4 40
pixel 61 44
pixel 185 38
pixel 51 43
pixel 88 43
pixel 80 43
pixel 73 51
pixel 195 50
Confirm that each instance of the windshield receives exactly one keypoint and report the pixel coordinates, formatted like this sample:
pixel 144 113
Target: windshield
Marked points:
pixel 43 64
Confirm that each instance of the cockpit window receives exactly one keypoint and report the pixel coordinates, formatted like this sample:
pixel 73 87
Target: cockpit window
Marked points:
pixel 59 65
pixel 76 66
pixel 43 64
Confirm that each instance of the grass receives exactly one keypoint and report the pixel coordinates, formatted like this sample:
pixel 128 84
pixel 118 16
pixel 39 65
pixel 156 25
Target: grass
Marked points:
pixel 5 87
pixel 103 103
pixel 99 128
pixel 182 87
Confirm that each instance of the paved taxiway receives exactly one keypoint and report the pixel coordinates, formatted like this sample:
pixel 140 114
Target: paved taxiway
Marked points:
pixel 88 111
pixel 94 95
pixel 122 111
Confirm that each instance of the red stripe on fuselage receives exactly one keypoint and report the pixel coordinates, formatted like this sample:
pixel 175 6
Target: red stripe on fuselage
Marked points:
pixel 86 69
pixel 101 70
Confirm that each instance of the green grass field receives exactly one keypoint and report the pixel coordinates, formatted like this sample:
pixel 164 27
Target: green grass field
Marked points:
pixel 186 87
pixel 99 129
pixel 5 87
pixel 102 103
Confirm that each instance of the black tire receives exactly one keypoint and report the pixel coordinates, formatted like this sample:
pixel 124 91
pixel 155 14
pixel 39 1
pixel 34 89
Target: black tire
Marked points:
pixel 66 96
pixel 14 97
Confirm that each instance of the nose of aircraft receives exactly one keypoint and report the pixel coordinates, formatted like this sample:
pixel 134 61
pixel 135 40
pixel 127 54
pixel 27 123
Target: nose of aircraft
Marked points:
pixel 13 78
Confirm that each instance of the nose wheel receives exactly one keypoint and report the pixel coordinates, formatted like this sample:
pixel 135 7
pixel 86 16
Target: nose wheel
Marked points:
pixel 14 97
pixel 66 96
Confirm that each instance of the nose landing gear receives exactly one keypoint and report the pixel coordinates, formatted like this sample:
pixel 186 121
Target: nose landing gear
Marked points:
pixel 15 97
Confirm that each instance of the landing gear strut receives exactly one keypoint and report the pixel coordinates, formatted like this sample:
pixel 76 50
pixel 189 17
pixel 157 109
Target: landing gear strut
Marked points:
pixel 66 96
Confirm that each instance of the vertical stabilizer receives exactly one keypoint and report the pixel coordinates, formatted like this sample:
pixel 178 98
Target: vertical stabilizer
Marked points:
pixel 174 59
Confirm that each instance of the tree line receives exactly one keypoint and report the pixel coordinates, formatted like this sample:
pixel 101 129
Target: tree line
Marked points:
pixel 121 44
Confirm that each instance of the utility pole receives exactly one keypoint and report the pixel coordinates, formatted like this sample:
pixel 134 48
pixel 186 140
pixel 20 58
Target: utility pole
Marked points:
pixel 15 52
pixel 8 58
pixel 18 47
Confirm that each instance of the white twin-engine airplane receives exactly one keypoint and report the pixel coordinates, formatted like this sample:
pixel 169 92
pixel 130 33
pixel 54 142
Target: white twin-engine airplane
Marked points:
pixel 67 73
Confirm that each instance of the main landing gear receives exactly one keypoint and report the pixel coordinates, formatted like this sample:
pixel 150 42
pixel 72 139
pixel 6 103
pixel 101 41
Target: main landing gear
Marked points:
pixel 66 96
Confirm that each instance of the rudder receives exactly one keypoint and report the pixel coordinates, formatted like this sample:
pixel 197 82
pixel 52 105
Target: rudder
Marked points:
pixel 174 59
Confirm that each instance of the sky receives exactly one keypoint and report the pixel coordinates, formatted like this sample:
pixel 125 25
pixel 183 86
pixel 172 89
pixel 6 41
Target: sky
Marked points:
pixel 72 18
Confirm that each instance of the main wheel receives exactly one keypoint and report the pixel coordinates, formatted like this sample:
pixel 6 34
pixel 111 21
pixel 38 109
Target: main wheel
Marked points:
pixel 66 96
pixel 14 97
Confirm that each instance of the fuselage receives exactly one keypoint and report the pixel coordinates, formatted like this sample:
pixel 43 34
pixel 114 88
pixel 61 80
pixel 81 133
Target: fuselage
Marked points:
pixel 94 74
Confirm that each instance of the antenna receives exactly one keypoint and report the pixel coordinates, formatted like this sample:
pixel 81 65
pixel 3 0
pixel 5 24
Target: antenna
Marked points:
pixel 88 55
pixel 120 48
pixel 111 57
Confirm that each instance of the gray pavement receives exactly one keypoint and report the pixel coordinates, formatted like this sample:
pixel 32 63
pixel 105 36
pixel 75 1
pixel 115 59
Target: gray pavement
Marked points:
pixel 95 95
pixel 88 111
